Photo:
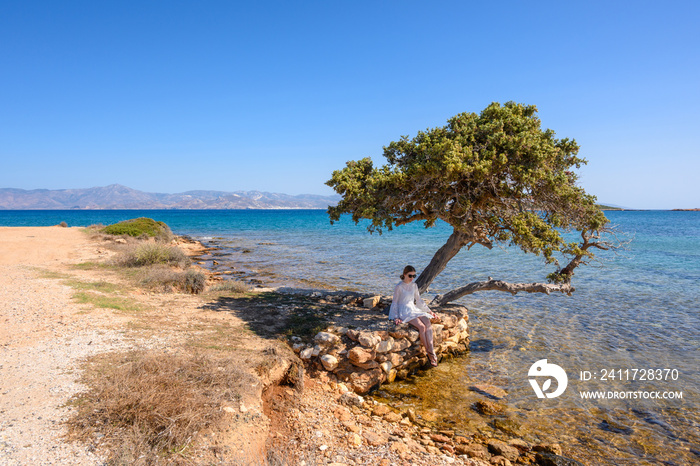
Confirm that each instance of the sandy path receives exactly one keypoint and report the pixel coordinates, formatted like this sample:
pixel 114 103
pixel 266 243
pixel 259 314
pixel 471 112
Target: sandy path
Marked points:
pixel 42 339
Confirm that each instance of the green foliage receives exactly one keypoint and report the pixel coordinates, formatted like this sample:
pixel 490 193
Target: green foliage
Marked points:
pixel 496 177
pixel 138 227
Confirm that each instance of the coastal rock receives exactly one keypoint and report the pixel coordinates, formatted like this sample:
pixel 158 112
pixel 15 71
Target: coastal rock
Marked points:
pixel 386 367
pixel 351 399
pixel 501 448
pixel 385 345
pixel 306 353
pixel 329 362
pixel 352 334
pixel 553 448
pixel 550 459
pixel 473 450
pixel 374 439
pixel 489 390
pixel 488 408
pixel 359 355
pixel 371 302
pixel 364 382
pixel 326 338
pixel 369 339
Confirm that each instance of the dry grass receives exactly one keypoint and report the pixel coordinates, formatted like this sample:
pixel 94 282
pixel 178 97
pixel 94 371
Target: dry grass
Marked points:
pixel 148 407
pixel 164 278
pixel 231 286
pixel 150 253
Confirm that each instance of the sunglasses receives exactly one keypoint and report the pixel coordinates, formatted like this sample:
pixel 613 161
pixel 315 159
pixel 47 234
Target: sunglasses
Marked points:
pixel 411 275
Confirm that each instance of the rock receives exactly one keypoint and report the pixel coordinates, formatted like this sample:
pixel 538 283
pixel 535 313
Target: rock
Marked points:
pixel 371 302
pixel 439 438
pixel 473 450
pixel 369 339
pixel 488 408
pixel 413 335
pixel 350 426
pixel 386 367
pixel 352 334
pixel 380 410
pixel 351 399
pixel 354 440
pixel 391 375
pixel 411 415
pixel 393 417
pixel 359 355
pixel 306 353
pixel 553 448
pixel 503 449
pixel 329 362
pixel 544 458
pixel 509 426
pixel 520 444
pixel 364 382
pixel 326 338
pixel 461 325
pixel 229 409
pixel 402 344
pixel 120 241
pixel 385 345
pixel 500 461
pixel 374 439
pixel 400 448
pixel 489 390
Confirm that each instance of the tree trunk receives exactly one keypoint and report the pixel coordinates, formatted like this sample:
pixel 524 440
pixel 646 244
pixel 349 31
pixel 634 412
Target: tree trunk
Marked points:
pixel 500 285
pixel 455 242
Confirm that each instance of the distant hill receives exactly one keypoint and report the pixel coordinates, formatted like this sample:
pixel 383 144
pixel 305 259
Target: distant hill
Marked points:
pixel 116 196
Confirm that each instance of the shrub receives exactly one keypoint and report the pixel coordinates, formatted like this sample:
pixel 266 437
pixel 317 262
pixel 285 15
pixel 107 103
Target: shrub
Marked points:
pixel 231 286
pixel 138 227
pixel 147 405
pixel 194 282
pixel 163 278
pixel 148 253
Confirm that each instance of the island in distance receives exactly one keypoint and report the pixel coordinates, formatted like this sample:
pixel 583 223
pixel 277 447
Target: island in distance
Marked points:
pixel 116 196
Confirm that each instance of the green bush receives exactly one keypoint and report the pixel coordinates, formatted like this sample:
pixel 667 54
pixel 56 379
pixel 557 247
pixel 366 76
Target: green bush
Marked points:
pixel 139 227
pixel 149 253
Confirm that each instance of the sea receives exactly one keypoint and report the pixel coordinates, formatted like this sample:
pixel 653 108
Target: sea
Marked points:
pixel 628 339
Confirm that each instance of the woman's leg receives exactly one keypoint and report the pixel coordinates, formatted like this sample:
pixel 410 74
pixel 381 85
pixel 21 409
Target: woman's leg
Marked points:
pixel 425 330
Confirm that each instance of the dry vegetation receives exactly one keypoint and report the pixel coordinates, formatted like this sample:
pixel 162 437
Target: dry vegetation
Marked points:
pixel 149 406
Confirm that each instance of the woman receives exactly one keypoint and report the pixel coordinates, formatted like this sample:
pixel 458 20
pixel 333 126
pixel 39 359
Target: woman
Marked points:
pixel 407 306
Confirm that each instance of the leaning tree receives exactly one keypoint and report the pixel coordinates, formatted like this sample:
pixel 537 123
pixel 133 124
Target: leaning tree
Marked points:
pixel 496 178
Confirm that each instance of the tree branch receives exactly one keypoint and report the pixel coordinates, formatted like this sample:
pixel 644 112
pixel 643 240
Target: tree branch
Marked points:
pixel 500 285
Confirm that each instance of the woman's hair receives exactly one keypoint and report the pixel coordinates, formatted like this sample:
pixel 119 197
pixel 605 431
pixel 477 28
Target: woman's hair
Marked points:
pixel 408 268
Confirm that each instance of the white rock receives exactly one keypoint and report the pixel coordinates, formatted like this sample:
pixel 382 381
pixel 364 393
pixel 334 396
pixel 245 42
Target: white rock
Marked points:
pixel 329 362
pixel 371 302
pixel 386 366
pixel 369 339
pixel 307 353
pixel 385 346
pixel 325 338
pixel 350 398
pixel 316 351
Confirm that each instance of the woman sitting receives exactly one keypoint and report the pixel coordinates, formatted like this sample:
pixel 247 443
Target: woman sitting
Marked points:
pixel 407 306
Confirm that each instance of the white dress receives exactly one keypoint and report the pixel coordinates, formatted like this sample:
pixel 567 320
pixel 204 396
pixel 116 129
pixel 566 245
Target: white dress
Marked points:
pixel 407 303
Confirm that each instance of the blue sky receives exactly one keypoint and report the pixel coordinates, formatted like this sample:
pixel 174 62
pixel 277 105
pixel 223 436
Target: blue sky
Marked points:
pixel 273 96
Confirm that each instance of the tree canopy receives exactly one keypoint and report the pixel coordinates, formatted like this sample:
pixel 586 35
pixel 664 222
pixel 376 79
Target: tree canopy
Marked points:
pixel 496 178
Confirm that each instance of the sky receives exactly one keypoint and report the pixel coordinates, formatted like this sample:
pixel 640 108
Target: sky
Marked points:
pixel 171 96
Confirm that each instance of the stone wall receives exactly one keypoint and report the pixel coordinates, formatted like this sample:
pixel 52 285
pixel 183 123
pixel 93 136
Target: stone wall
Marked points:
pixel 364 358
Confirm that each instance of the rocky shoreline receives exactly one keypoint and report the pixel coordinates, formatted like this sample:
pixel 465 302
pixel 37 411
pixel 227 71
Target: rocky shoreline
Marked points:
pixel 332 421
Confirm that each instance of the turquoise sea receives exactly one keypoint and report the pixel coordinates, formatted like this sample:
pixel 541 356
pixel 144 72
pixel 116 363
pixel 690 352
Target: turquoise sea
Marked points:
pixel 635 311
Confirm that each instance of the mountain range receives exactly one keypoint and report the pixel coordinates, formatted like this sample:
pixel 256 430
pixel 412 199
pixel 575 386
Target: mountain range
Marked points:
pixel 116 196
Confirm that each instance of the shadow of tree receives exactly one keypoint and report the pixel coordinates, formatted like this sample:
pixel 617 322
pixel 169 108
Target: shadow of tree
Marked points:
pixel 276 315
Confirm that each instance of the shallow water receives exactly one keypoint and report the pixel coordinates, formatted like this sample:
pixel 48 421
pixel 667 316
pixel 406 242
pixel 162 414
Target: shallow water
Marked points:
pixel 638 311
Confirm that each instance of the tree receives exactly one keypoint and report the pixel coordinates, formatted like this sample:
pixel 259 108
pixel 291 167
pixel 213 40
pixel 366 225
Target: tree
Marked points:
pixel 496 178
